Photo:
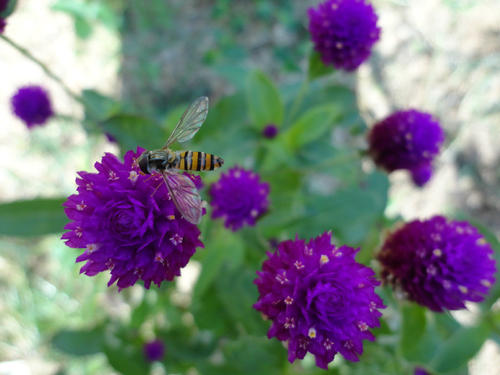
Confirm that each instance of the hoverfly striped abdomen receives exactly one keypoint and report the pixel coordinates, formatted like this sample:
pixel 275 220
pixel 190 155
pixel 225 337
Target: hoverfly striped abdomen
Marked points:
pixel 197 161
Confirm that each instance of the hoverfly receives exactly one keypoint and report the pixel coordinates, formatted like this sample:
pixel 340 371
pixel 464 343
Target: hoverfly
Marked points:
pixel 168 163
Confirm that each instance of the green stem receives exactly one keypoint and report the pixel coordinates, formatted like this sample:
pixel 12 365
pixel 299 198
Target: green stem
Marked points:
pixel 44 67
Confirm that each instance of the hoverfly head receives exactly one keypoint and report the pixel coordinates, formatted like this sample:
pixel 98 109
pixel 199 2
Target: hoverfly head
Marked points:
pixel 144 162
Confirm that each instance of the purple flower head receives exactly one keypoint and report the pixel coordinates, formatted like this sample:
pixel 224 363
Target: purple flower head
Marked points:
pixel 438 263
pixel 420 371
pixel 319 299
pixel 3 23
pixel 110 137
pixel 270 131
pixel 343 32
pixel 126 227
pixel 239 197
pixel 154 350
pixel 406 140
pixel 32 105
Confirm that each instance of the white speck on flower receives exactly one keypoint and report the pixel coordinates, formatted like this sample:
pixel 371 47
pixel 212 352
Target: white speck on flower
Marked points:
pixel 254 213
pixel 78 232
pixel 112 176
pixel 91 247
pixel 485 283
pixel 372 306
pixel 281 278
pixel 176 239
pixel 81 206
pixel 446 284
pixel 133 176
pixel 308 250
pixel 171 217
pixel 328 344
pixel 463 289
pixel 312 333
pixel 89 186
pixel 437 252
pixel 324 259
pixel 362 326
pixel 288 300
pixel 298 264
pixel 237 174
pixel 289 323
pixel 432 270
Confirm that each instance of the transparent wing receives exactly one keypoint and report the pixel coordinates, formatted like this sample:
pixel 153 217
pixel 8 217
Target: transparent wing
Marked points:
pixel 190 122
pixel 185 196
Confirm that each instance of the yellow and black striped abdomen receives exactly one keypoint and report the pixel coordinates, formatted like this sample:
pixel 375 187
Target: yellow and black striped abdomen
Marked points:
pixel 197 161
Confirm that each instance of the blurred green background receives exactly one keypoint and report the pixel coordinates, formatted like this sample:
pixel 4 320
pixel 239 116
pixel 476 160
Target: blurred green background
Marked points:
pixel 152 58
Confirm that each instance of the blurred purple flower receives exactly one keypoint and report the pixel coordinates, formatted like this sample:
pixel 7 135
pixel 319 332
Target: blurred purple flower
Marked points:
pixel 32 105
pixel 154 350
pixel 319 299
pixel 420 371
pixel 3 5
pixel 110 137
pixel 270 131
pixel 125 228
pixel 239 198
pixel 438 263
pixel 3 23
pixel 406 140
pixel 343 32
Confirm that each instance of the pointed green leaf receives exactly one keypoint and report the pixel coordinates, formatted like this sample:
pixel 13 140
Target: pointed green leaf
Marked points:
pixel 79 342
pixel 32 217
pixel 264 101
pixel 316 66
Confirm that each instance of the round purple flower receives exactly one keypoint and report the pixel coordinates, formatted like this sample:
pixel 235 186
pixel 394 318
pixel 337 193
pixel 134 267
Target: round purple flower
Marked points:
pixel 127 226
pixel 406 140
pixel 438 263
pixel 343 32
pixel 239 197
pixel 270 131
pixel 154 350
pixel 319 299
pixel 32 105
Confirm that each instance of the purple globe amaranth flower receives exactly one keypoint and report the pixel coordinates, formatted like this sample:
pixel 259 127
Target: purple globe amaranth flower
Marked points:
pixel 270 131
pixel 406 140
pixel 319 299
pixel 343 32
pixel 239 197
pixel 32 105
pixel 438 263
pixel 126 226
pixel 154 350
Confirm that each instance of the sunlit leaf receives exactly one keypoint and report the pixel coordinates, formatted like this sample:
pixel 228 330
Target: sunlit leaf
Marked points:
pixel 264 101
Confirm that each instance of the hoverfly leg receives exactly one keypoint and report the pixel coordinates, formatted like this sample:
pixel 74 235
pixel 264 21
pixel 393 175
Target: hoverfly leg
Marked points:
pixel 156 189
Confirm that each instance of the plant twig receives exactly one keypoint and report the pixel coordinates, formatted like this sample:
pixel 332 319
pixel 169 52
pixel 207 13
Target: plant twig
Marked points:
pixel 44 67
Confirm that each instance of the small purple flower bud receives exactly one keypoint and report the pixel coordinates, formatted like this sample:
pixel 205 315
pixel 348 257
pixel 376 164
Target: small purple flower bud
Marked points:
pixel 343 32
pixel 270 131
pixel 319 299
pixel 154 350
pixel 3 23
pixel 438 263
pixel 239 197
pixel 32 105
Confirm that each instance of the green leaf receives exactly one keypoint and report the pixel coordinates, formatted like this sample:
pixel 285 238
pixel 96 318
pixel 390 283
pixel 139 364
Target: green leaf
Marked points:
pixel 316 66
pixel 223 248
pixel 79 342
pixel 126 359
pixel 310 126
pixel 32 217
pixel 460 347
pixel 264 101
pixel 413 328
pixel 237 294
pixel 254 355
pixel 98 107
pixel 11 5
pixel 131 131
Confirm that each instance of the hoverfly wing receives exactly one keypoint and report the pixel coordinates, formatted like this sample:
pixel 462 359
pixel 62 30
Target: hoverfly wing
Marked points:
pixel 190 122
pixel 185 196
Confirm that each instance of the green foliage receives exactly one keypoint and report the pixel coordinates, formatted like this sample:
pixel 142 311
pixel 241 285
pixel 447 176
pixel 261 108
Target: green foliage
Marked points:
pixel 11 6
pixel 79 342
pixel 265 105
pixel 32 217
pixel 316 67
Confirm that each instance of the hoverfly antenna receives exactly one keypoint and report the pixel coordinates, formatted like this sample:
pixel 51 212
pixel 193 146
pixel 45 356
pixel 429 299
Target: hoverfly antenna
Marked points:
pixel 144 162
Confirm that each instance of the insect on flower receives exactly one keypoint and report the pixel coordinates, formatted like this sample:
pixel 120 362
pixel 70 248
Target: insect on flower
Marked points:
pixel 167 162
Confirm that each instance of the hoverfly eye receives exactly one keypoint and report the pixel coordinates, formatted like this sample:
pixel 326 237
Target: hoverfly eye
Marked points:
pixel 144 163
